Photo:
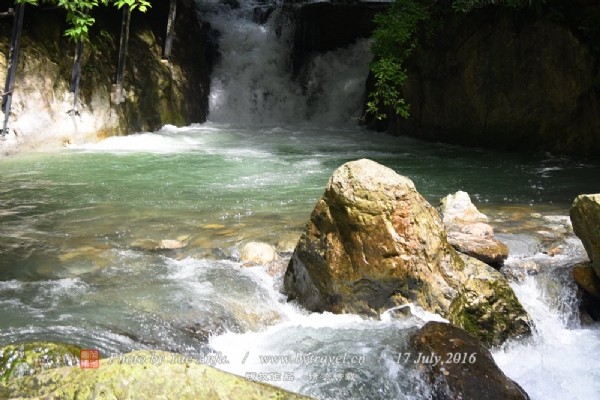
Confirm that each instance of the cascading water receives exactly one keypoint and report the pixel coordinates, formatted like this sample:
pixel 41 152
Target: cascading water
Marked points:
pixel 82 230
pixel 252 81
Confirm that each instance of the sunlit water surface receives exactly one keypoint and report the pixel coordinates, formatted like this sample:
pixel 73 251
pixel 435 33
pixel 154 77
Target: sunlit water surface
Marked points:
pixel 80 227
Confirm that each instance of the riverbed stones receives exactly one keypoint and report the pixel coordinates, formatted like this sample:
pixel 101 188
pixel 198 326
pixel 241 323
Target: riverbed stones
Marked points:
pixel 465 369
pixel 143 375
pixel 467 231
pixel 373 242
pixel 257 253
pixel 585 217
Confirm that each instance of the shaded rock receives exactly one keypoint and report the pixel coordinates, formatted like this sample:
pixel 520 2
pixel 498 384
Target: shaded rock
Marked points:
pixel 142 376
pixel 587 279
pixel 585 216
pixel 466 369
pixel 488 78
pixel 373 242
pixel 22 359
pixel 466 231
pixel 256 253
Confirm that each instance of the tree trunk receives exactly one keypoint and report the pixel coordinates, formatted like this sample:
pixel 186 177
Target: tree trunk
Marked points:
pixel 170 30
pixel 76 75
pixel 13 59
pixel 122 55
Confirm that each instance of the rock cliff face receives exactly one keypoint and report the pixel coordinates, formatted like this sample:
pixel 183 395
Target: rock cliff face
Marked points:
pixel 510 80
pixel 373 242
pixel 156 92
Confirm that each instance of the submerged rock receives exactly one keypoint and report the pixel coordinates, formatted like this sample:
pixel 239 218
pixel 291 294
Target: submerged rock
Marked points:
pixel 465 369
pixel 585 216
pixel 373 242
pixel 143 375
pixel 467 231
pixel 157 245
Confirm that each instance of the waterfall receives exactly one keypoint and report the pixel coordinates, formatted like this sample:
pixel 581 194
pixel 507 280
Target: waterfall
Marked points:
pixel 252 81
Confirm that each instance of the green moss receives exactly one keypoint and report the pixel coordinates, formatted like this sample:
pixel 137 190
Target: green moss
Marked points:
pixel 23 359
pixel 143 380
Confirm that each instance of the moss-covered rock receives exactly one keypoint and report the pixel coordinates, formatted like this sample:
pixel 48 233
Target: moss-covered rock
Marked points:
pixel 142 378
pixel 487 307
pixel 22 359
pixel 373 242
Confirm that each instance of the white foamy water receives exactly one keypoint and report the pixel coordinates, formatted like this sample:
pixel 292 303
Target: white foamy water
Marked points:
pixel 253 84
pixel 558 362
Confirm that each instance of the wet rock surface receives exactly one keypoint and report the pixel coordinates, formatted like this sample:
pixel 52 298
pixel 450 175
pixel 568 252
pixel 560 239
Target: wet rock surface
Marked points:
pixel 465 368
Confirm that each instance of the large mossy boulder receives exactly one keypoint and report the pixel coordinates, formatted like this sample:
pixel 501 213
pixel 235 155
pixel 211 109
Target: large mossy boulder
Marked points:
pixel 465 369
pixel 373 242
pixel 585 217
pixel 141 378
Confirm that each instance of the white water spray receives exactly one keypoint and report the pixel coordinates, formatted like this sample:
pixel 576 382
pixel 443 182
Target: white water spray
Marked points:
pixel 252 83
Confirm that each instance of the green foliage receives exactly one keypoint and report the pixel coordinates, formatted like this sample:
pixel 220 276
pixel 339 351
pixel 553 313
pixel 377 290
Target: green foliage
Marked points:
pixel 79 12
pixel 394 40
pixel 395 37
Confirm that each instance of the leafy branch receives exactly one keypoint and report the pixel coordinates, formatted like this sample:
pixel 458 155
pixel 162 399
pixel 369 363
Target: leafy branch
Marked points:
pixel 79 12
pixel 394 40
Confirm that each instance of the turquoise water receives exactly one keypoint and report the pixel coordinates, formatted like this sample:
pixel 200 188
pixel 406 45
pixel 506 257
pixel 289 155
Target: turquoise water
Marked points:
pixel 79 227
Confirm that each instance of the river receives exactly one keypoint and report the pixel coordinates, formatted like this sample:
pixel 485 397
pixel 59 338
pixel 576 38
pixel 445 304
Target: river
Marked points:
pixel 81 227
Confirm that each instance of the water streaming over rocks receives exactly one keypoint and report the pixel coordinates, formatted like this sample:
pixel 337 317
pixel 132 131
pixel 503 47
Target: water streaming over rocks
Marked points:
pixel 73 266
